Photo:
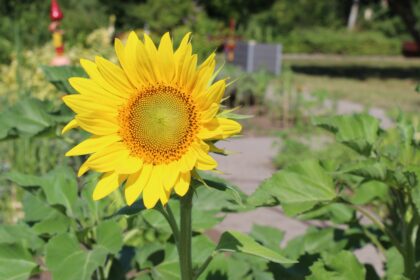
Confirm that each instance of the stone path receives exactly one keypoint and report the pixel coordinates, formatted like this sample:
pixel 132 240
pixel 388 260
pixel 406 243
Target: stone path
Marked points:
pixel 252 163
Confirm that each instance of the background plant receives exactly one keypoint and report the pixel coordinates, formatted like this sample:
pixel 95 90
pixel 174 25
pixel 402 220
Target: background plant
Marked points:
pixel 378 182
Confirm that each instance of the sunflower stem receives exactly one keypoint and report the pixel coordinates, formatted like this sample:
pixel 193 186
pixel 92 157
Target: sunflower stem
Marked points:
pixel 169 216
pixel 185 237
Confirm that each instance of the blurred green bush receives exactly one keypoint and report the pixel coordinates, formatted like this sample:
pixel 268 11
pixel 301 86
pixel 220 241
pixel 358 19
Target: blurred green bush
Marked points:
pixel 324 40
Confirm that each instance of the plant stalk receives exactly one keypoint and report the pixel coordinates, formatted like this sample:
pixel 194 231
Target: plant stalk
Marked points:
pixel 185 237
pixel 167 213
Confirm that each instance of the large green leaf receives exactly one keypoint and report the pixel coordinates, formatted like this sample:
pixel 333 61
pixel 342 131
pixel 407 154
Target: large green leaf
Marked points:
pixel 368 169
pixel 340 266
pixel 232 241
pixel 369 191
pixel 169 268
pixel 54 223
pixel 59 75
pixel 132 209
pixel 45 218
pixel 20 234
pixel 394 262
pixel 15 262
pixel 66 259
pixel 22 180
pixel 268 236
pixel 59 186
pixel 202 247
pixel 109 235
pixel 298 187
pixel 359 132
pixel 227 197
pixel 28 117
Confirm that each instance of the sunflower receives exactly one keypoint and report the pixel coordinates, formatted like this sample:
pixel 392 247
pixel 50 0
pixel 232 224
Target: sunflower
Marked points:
pixel 153 118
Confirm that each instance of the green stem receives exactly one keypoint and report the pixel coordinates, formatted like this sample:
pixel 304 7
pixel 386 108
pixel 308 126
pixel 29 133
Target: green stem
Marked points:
pixel 380 225
pixel 173 224
pixel 171 221
pixel 185 237
pixel 203 267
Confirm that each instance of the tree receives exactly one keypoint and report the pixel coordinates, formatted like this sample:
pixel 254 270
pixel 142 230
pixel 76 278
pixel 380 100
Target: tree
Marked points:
pixel 406 10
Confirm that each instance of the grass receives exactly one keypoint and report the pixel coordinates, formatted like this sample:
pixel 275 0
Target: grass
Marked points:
pixel 379 81
pixel 388 93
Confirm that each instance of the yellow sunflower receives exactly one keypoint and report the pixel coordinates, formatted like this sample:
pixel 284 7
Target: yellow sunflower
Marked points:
pixel 152 118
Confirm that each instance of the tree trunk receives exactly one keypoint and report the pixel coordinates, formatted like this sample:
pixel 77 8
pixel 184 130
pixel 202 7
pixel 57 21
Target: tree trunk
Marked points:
pixel 353 15
pixel 404 8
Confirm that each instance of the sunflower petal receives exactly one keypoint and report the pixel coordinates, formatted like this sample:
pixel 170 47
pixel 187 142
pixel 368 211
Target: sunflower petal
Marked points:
pixel 93 144
pixel 183 183
pixel 107 184
pixel 85 104
pixel 91 89
pixel 114 75
pixel 170 175
pixel 136 184
pixel 72 124
pixel 154 187
pixel 97 126
pixel 166 58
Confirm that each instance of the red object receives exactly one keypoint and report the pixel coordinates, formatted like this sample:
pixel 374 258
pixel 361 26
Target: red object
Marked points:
pixel 55 12
pixel 232 25
pixel 411 49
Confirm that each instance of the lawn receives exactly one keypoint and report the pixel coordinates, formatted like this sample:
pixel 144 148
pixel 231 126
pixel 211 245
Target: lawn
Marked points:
pixel 386 82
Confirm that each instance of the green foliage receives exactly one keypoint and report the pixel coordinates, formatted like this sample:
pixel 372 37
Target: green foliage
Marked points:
pixel 357 132
pixel 59 75
pixel 298 188
pixel 343 265
pixel 381 182
pixel 232 241
pixel 30 20
pixel 247 88
pixel 15 262
pixel 322 40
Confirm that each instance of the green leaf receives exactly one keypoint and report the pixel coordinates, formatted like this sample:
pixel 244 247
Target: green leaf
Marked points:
pixel 369 191
pixel 144 252
pixel 35 207
pixel 133 209
pixel 341 266
pixel 60 188
pixel 20 234
pixel 298 187
pixel 15 262
pixel 45 218
pixel 359 131
pixel 22 180
pixel 232 241
pixel 268 236
pixel 28 117
pixel 228 196
pixel 169 268
pixel 54 223
pixel 369 169
pixel 334 212
pixel 59 75
pixel 322 240
pixel 109 235
pixel 394 262
pixel 202 247
pixel 66 259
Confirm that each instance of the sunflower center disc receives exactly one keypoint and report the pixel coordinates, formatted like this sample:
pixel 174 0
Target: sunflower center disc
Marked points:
pixel 159 124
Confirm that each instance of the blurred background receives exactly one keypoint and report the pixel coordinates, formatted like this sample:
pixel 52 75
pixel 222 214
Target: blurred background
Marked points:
pixel 290 60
